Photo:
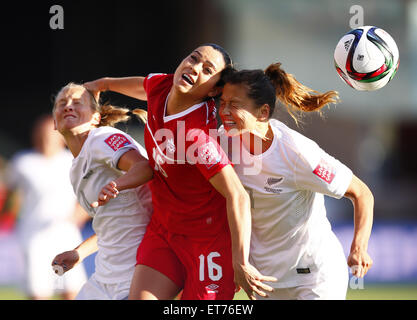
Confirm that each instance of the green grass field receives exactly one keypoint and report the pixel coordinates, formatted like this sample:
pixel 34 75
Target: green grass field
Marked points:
pixel 370 292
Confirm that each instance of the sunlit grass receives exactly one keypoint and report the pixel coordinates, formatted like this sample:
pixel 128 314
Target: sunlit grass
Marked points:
pixel 370 292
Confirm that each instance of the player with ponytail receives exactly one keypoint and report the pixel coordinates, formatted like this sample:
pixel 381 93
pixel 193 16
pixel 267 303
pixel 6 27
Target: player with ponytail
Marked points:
pixel 104 156
pixel 198 238
pixel 287 175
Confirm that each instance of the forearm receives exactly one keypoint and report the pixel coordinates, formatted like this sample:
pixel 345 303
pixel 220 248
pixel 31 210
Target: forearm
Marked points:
pixel 363 204
pixel 87 247
pixel 129 86
pixel 227 183
pixel 363 220
pixel 239 218
pixel 138 174
pixel 238 212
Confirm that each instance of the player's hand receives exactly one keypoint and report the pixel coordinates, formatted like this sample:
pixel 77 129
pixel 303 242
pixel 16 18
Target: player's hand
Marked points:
pixel 360 262
pixel 96 87
pixel 108 192
pixel 65 261
pixel 251 281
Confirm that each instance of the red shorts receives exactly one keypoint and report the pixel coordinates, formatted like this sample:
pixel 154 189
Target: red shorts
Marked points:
pixel 202 266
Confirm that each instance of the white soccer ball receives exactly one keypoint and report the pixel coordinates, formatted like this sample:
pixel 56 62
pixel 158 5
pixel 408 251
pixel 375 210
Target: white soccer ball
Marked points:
pixel 366 58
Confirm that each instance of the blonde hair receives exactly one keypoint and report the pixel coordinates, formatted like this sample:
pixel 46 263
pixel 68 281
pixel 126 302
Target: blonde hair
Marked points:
pixel 109 115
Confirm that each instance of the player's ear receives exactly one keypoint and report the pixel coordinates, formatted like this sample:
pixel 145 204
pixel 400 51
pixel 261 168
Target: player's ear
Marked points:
pixel 263 112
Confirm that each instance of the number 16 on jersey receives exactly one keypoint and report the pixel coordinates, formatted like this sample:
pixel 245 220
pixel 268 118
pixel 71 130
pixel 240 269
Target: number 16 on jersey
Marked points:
pixel 214 270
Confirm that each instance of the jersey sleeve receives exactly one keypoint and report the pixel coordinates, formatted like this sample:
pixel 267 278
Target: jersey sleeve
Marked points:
pixel 109 147
pixel 152 80
pixel 317 171
pixel 205 152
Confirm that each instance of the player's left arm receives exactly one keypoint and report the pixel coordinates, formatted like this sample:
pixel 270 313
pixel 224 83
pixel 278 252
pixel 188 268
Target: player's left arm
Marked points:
pixel 138 172
pixel 227 183
pixel 363 203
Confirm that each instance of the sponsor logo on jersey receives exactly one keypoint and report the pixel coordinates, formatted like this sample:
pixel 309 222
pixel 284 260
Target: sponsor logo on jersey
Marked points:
pixel 117 141
pixel 272 183
pixel 324 171
pixel 170 146
pixel 212 288
pixel 208 154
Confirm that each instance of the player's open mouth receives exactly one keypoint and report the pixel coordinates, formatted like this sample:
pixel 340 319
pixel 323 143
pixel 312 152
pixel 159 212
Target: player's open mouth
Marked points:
pixel 69 116
pixel 229 123
pixel 187 79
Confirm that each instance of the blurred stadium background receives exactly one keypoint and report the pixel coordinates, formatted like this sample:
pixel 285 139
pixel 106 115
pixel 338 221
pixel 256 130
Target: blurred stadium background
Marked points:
pixel 374 133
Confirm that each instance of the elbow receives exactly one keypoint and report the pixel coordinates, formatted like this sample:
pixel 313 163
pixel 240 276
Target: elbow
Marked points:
pixel 366 194
pixel 361 195
pixel 238 196
pixel 371 198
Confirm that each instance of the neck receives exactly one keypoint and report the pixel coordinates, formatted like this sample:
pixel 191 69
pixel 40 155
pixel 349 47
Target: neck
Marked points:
pixel 259 140
pixel 75 142
pixel 178 102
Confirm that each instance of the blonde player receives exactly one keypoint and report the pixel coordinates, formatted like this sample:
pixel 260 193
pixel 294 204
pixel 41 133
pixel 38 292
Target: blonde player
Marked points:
pixel 286 175
pixel 48 208
pixel 104 156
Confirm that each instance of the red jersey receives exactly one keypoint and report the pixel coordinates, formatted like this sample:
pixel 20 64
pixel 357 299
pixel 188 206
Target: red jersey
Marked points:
pixel 184 157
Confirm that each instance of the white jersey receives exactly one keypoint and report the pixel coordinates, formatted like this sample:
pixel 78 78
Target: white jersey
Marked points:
pixel 121 223
pixel 47 197
pixel 291 235
pixel 45 226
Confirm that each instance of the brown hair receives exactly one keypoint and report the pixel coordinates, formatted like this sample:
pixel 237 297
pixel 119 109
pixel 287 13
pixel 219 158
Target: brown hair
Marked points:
pixel 264 87
pixel 109 115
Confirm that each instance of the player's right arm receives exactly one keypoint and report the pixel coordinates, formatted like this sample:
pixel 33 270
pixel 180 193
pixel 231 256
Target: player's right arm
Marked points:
pixel 69 259
pixel 129 86
pixel 227 183
pixel 363 203
pixel 137 173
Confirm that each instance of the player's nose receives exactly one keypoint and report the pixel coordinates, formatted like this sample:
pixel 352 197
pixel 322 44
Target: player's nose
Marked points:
pixel 69 107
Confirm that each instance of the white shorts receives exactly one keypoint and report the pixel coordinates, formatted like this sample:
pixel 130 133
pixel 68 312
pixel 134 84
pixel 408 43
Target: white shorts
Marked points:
pixel 326 290
pixel 40 280
pixel 332 284
pixel 96 290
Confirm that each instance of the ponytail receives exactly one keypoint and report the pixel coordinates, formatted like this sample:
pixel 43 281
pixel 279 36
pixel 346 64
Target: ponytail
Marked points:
pixel 111 115
pixel 294 95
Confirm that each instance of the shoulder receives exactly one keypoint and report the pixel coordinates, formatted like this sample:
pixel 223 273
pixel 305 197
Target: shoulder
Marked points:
pixel 291 140
pixel 154 80
pixel 109 137
pixel 65 156
pixel 203 115
pixel 22 157
pixel 101 132
pixel 21 164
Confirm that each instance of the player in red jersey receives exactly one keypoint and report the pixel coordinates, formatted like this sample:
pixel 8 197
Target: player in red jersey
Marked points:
pixel 200 229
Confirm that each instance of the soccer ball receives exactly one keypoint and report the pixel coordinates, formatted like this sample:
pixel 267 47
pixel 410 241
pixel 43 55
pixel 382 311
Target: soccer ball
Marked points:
pixel 366 58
